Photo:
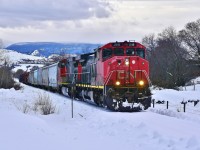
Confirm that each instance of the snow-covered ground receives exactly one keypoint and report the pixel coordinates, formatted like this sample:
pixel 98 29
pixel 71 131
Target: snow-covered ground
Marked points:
pixel 93 127
pixel 26 67
pixel 14 57
pixel 188 94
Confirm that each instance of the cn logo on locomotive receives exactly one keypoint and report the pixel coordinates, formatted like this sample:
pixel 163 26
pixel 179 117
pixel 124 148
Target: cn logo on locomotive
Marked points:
pixel 122 75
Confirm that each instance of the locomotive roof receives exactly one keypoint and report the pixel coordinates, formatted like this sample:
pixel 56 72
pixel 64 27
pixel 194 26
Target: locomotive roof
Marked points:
pixel 121 44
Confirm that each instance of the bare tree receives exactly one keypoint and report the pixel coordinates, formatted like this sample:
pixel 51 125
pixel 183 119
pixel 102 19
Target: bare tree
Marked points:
pixel 167 57
pixel 191 37
pixel 172 58
pixel 6 79
pixel 170 54
pixel 150 42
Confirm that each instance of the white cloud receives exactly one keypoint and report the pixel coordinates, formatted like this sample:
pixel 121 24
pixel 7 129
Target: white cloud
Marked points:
pixel 18 12
pixel 91 20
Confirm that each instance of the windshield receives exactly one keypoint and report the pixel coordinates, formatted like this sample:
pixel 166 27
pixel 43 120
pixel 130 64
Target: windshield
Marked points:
pixel 119 51
pixel 140 52
pixel 107 53
pixel 130 51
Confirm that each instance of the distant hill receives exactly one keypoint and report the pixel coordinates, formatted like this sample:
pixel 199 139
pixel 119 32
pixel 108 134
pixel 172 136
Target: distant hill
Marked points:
pixel 48 48
pixel 14 57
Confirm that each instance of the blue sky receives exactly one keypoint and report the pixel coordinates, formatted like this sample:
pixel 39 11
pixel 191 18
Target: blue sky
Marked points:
pixel 95 21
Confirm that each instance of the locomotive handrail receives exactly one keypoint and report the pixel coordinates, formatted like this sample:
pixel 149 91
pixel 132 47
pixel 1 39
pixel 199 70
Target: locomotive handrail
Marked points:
pixel 77 73
pixel 104 89
pixel 81 73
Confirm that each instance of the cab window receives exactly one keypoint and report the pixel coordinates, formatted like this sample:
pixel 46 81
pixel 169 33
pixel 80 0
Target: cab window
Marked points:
pixel 107 53
pixel 140 52
pixel 130 51
pixel 119 52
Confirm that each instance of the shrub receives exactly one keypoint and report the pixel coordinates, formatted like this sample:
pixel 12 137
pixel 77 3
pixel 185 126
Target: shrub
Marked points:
pixel 26 108
pixel 6 79
pixel 44 104
pixel 18 73
pixel 17 86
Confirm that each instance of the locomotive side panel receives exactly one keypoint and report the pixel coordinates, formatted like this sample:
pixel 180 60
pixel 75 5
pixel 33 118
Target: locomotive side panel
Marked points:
pixel 88 70
pixel 70 69
pixel 62 71
pixel 100 67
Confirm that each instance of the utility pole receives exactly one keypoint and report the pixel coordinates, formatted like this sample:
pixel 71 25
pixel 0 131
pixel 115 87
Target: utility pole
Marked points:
pixel 73 94
pixel 72 108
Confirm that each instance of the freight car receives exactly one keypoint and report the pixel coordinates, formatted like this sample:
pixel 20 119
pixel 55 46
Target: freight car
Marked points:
pixel 45 77
pixel 115 75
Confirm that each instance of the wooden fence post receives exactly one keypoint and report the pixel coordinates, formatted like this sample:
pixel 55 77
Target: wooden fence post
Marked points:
pixel 153 102
pixel 167 104
pixel 184 106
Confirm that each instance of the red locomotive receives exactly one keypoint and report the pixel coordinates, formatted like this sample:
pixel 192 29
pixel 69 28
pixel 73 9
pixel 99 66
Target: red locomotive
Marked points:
pixel 115 75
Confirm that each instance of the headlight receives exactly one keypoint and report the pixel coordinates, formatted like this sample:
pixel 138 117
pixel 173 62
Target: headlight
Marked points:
pixel 126 62
pixel 117 83
pixel 141 83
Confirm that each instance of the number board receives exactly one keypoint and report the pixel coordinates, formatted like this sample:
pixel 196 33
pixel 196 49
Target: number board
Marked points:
pixel 116 44
pixel 131 44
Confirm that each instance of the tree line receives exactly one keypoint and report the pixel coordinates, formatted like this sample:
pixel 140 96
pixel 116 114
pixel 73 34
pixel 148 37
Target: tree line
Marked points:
pixel 174 56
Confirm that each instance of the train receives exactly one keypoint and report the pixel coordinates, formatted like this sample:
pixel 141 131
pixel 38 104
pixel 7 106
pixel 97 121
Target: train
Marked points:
pixel 115 76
